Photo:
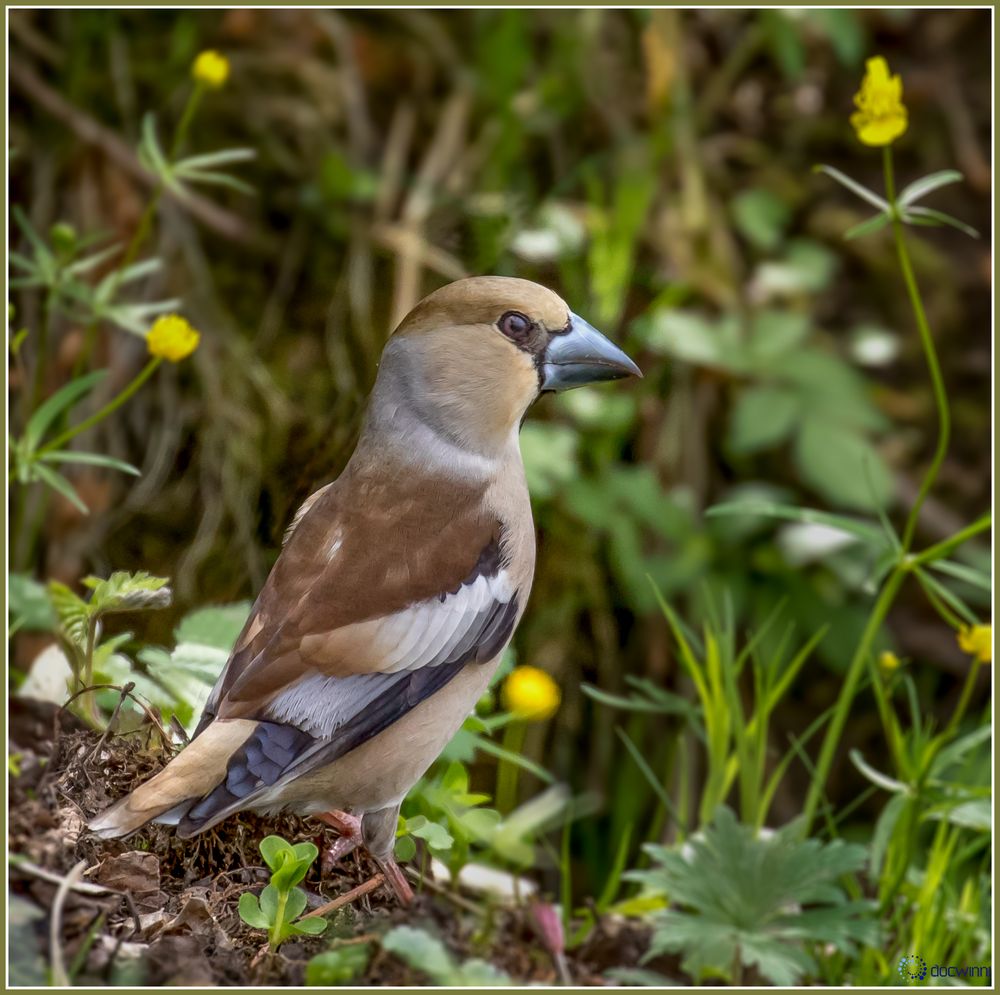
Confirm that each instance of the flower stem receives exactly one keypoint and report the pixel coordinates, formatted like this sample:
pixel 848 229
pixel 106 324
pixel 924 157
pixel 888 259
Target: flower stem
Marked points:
pixel 891 586
pixel 109 408
pixel 851 680
pixel 507 773
pixel 964 699
pixel 927 341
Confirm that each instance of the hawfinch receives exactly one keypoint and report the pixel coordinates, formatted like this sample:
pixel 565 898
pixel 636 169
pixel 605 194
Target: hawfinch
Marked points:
pixel 398 587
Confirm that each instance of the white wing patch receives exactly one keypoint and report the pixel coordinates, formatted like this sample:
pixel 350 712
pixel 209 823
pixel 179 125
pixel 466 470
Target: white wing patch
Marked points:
pixel 425 634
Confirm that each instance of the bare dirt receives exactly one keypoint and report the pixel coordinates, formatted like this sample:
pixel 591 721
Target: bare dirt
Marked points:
pixel 157 910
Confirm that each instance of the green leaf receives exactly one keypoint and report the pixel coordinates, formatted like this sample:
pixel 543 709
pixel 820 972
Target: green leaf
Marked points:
pixel 876 777
pixel 928 216
pixel 731 891
pixel 774 334
pixel 427 954
pixel 405 849
pixel 276 852
pixel 62 400
pixel 761 217
pixel 421 951
pixel 966 574
pixel 124 592
pixel 59 484
pixel 91 459
pixel 434 834
pixel 312 926
pixel 338 966
pixel 762 417
pixel 873 224
pixel 867 531
pixel 269 904
pixel 217 626
pixel 28 604
pixel 693 337
pixel 71 611
pixel 927 184
pixel 856 188
pixel 250 911
pixel 305 852
pixel 842 465
pixel 295 904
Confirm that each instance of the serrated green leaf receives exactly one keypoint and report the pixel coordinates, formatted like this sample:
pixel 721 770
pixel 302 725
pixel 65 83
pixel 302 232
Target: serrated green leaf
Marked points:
pixel 731 889
pixel 124 591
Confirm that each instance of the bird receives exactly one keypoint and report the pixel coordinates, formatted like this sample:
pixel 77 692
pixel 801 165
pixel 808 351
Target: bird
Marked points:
pixel 398 586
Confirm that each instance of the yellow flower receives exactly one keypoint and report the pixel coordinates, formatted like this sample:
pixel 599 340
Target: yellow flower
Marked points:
pixel 531 694
pixel 888 661
pixel 881 115
pixel 211 68
pixel 978 641
pixel 172 337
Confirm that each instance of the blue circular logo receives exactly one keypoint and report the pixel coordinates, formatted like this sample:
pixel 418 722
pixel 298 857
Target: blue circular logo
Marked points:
pixel 912 968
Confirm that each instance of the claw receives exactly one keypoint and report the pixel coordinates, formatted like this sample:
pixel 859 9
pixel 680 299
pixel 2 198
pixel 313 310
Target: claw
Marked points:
pixel 395 880
pixel 350 838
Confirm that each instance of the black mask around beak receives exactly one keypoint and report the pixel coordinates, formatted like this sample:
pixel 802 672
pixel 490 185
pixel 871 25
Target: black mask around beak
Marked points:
pixel 583 355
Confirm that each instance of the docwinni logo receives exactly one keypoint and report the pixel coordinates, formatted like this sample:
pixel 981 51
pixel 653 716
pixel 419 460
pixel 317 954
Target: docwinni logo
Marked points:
pixel 914 968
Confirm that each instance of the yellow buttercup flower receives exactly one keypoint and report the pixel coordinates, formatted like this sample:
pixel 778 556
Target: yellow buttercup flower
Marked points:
pixel 531 694
pixel 211 68
pixel 172 337
pixel 881 115
pixel 977 640
pixel 888 661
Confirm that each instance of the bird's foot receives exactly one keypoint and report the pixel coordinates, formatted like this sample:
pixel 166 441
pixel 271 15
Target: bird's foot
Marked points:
pixel 395 879
pixel 350 838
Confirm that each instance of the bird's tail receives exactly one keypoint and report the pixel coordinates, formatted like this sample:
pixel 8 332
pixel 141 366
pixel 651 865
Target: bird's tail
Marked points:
pixel 194 772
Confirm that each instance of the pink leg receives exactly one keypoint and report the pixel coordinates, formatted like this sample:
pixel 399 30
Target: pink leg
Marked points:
pixel 395 879
pixel 349 828
pixel 381 826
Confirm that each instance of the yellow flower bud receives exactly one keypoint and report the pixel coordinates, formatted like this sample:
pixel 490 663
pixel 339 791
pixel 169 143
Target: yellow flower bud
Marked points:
pixel 172 337
pixel 881 115
pixel 977 640
pixel 531 694
pixel 211 68
pixel 888 661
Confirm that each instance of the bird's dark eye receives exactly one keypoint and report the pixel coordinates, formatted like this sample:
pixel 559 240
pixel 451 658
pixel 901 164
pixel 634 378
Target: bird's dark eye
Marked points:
pixel 515 326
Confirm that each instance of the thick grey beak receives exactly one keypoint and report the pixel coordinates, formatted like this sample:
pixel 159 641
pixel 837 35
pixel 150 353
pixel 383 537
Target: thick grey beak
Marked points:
pixel 581 356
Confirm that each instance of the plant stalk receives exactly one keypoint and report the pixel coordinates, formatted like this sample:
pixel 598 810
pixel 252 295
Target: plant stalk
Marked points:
pixel 109 408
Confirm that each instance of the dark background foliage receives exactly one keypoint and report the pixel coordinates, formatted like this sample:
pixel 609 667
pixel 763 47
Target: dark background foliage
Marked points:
pixel 655 169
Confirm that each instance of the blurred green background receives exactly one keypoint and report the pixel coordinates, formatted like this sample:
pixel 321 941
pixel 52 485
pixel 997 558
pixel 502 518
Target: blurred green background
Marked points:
pixel 655 168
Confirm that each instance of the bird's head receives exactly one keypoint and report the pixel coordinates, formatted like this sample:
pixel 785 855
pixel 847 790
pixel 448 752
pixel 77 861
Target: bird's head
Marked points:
pixel 472 356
